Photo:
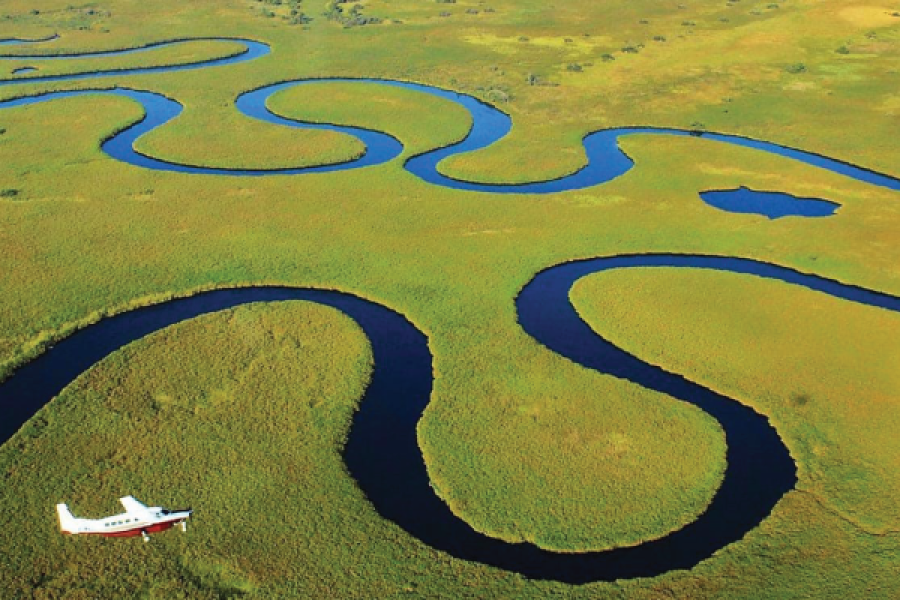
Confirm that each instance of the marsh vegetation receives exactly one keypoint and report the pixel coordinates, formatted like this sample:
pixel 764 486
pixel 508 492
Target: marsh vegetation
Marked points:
pixel 521 443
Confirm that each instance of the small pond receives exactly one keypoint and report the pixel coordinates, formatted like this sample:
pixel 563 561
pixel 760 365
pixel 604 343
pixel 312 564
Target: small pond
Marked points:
pixel 771 204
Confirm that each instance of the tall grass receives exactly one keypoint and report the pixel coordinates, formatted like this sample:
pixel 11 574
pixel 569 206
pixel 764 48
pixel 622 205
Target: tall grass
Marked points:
pixel 518 441
pixel 826 372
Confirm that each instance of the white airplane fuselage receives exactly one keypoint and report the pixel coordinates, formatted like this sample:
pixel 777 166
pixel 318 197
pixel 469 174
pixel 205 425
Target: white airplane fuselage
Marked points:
pixel 137 520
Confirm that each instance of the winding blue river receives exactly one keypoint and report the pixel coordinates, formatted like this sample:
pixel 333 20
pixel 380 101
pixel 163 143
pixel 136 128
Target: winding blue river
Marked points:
pixel 605 159
pixel 382 452
pixel 251 51
pixel 382 449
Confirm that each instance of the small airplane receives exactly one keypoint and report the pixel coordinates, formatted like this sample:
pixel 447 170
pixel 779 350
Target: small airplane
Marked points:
pixel 137 520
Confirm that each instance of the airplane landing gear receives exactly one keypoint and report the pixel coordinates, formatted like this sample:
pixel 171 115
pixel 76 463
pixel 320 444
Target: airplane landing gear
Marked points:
pixel 145 536
pixel 184 525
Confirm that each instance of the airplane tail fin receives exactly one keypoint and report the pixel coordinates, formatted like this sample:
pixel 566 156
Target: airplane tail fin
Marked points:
pixel 67 521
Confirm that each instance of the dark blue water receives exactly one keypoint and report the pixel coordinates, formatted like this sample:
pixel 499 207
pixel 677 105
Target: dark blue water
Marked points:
pixel 770 204
pixel 382 451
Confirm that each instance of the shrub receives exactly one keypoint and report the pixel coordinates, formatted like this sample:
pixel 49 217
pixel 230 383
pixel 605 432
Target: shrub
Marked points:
pixel 497 95
pixel 800 399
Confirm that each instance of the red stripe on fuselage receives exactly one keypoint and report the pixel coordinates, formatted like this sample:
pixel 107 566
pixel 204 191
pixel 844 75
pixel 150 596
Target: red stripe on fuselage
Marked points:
pixel 155 528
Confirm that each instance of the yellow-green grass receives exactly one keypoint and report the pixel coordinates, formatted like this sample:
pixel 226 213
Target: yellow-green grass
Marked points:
pixel 219 136
pixel 589 466
pixel 697 74
pixel 422 121
pixel 480 358
pixel 175 54
pixel 222 137
pixel 242 414
pixel 87 236
pixel 825 370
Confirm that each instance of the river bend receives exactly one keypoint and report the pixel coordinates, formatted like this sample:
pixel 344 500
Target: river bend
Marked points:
pixel 382 452
pixel 605 159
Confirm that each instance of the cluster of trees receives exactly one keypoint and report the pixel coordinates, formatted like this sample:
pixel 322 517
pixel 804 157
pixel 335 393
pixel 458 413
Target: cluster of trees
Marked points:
pixel 295 16
pixel 352 17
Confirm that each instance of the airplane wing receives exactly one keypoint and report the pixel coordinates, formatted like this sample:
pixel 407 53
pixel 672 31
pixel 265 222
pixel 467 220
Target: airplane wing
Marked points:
pixel 133 506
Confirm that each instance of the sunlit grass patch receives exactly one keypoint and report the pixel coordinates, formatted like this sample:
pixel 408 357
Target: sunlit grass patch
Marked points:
pixel 86 235
pixel 826 371
pixel 174 54
pixel 588 465
pixel 240 414
pixel 420 121
pixel 224 138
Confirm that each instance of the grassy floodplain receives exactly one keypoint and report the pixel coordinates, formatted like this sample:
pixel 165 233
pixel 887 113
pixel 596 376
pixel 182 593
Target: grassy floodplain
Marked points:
pixel 836 406
pixel 520 442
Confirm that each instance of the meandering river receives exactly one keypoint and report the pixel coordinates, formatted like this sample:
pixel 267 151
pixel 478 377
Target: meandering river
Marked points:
pixel 382 453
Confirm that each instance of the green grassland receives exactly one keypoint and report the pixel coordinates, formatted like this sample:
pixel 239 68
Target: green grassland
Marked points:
pixel 437 122
pixel 521 443
pixel 175 54
pixel 827 377
pixel 259 430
